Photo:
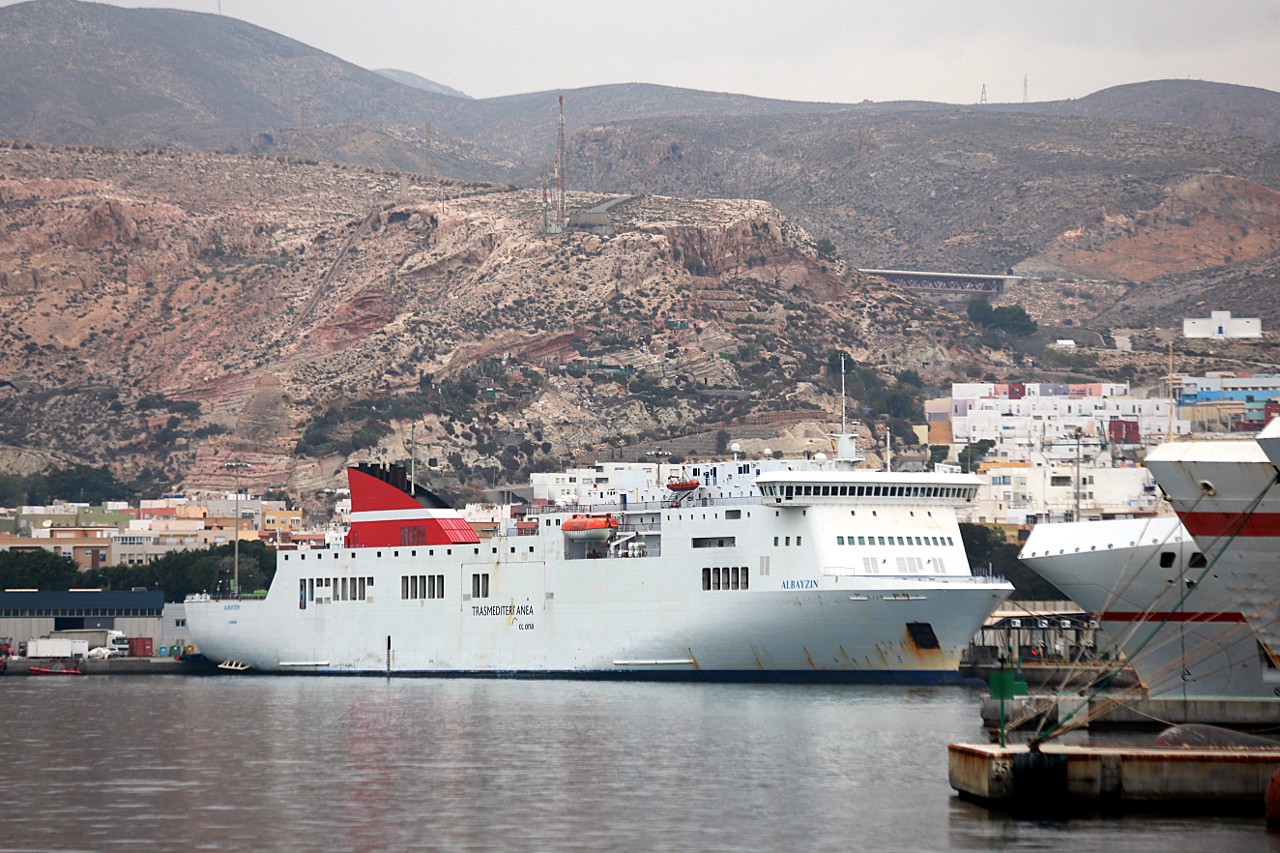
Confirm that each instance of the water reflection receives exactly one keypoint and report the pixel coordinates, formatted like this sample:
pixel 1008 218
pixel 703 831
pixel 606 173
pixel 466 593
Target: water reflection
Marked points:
pixel 366 764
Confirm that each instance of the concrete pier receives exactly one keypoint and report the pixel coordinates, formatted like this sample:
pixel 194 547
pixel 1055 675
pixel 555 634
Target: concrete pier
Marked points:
pixel 1107 712
pixel 1062 778
pixel 118 666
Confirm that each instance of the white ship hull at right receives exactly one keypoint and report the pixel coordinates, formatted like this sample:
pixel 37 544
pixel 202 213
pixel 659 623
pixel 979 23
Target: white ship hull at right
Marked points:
pixel 1157 604
pixel 1227 494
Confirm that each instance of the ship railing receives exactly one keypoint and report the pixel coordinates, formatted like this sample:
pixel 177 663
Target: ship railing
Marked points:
pixel 225 595
pixel 960 580
pixel 641 527
pixel 643 506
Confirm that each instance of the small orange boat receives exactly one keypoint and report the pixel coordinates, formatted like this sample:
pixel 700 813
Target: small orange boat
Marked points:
pixel 683 485
pixel 590 528
pixel 55 669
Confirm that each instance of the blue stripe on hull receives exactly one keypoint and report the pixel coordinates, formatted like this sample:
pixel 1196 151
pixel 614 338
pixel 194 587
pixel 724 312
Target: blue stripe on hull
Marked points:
pixel 902 677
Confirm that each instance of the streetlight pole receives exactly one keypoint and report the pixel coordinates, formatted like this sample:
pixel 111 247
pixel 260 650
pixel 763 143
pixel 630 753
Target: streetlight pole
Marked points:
pixel 1078 435
pixel 235 580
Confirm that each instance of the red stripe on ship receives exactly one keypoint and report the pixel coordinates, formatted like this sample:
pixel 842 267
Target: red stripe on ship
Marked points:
pixel 1259 524
pixel 1142 616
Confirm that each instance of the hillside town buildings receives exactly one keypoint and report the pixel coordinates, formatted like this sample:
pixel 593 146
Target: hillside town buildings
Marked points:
pixel 116 533
pixel 1045 423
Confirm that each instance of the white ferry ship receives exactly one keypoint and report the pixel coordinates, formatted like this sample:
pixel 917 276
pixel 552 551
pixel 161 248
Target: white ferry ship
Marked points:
pixel 787 570
pixel 1145 582
pixel 1227 494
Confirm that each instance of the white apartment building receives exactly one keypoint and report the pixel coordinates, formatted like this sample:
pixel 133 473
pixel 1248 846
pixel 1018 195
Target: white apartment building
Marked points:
pixel 1019 494
pixel 148 539
pixel 1047 423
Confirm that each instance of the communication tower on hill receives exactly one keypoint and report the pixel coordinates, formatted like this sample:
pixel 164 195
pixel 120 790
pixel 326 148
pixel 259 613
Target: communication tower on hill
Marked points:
pixel 428 162
pixel 558 213
pixel 304 146
pixel 982 99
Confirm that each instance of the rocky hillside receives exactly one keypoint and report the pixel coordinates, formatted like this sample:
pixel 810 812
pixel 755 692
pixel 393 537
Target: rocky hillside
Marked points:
pixel 960 190
pixel 170 310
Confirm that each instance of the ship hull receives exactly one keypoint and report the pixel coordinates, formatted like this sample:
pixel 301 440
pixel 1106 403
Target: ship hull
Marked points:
pixel 1173 621
pixel 848 632
pixel 1227 494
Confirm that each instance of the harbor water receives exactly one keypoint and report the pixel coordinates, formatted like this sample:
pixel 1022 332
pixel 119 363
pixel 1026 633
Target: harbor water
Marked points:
pixel 281 763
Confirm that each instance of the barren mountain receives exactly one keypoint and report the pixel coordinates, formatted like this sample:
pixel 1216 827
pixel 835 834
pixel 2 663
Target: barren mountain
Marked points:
pixel 166 309
pixel 1130 183
pixel 1196 104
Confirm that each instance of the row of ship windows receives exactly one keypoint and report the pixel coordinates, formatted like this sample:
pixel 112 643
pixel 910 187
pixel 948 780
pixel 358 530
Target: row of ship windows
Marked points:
pixel 24 612
pixel 727 577
pixel 421 586
pixel 778 491
pixel 888 540
pixel 432 586
pixel 332 589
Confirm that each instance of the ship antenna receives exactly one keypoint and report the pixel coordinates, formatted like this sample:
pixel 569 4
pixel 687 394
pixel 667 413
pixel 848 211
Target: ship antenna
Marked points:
pixel 846 442
pixel 844 425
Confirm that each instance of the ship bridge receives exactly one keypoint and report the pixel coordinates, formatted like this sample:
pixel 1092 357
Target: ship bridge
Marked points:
pixel 809 488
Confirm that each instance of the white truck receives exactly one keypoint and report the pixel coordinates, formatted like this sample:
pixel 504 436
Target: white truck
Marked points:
pixel 114 642
pixel 57 647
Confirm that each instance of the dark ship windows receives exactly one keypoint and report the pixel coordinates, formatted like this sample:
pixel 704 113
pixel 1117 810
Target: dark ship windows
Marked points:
pixel 724 577
pixel 418 586
pixel 480 585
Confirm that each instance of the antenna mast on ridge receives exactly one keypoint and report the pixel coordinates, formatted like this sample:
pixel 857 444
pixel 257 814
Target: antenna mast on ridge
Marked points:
pixel 561 217
pixel 558 214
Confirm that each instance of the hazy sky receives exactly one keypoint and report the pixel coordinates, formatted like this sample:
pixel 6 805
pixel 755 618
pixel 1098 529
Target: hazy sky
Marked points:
pixel 818 50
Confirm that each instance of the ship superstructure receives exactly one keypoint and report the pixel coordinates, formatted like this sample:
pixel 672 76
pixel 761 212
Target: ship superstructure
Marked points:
pixel 741 569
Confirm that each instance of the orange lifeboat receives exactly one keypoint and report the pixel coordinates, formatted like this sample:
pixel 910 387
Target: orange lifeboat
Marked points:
pixel 590 528
pixel 683 485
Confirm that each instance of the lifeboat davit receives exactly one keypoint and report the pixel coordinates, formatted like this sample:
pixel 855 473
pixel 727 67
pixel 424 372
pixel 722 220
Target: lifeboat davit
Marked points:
pixel 590 528
pixel 683 485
